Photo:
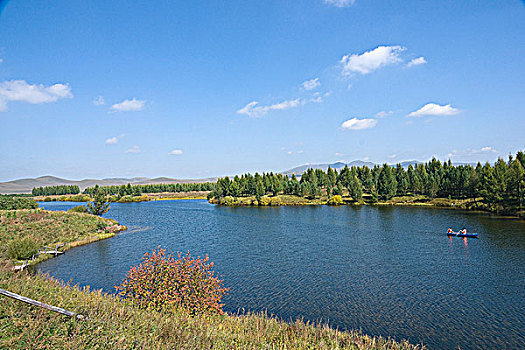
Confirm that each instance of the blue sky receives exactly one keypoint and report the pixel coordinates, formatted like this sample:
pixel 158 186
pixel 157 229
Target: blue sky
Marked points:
pixel 192 89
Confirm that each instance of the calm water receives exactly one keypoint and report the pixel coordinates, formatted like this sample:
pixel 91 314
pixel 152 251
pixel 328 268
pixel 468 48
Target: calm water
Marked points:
pixel 388 271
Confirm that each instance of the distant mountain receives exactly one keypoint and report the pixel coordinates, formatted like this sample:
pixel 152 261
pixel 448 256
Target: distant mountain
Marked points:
pixel 26 185
pixel 406 163
pixel 338 165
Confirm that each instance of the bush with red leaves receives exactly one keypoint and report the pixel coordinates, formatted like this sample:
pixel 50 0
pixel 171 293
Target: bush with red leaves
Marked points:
pixel 165 282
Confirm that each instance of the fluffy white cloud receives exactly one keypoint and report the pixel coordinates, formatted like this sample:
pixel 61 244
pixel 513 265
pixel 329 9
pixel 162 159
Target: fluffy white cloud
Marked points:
pixel 1 60
pixel 99 101
pixel 112 141
pixel 134 149
pixel 129 105
pixel 20 90
pixel 434 109
pixel 253 109
pixel 311 84
pixel 371 60
pixel 339 3
pixel 358 124
pixel 417 61
pixel 176 152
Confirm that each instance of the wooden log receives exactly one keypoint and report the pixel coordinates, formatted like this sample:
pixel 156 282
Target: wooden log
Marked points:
pixel 41 304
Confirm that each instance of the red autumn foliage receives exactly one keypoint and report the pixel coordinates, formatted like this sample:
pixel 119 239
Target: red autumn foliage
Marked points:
pixel 165 282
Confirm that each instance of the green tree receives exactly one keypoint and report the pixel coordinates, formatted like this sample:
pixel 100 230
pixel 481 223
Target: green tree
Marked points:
pixel 99 206
pixel 387 184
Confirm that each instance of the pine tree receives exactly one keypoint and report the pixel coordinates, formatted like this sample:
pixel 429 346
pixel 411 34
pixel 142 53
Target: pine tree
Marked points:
pixel 99 206
pixel 387 184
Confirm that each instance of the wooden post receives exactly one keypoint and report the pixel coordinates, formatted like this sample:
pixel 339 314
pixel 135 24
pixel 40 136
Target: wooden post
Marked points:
pixel 41 304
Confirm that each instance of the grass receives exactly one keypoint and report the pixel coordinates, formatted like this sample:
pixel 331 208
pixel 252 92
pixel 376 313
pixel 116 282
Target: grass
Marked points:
pixel 118 324
pixel 48 228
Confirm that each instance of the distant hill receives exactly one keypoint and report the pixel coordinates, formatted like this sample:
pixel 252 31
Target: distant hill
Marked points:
pixel 338 165
pixel 26 185
pixel 358 163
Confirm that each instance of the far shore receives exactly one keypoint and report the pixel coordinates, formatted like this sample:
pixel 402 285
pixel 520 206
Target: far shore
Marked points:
pixel 412 201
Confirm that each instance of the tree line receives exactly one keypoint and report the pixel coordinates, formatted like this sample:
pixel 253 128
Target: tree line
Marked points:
pixel 501 186
pixel 55 190
pixel 138 190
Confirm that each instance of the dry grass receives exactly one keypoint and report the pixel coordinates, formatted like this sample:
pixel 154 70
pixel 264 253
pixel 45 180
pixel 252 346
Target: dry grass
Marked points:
pixel 117 324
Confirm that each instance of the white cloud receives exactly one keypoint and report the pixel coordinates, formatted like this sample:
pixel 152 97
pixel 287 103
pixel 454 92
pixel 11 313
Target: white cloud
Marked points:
pixel 392 156
pixel 311 84
pixel 112 141
pixel 253 110
pixel 383 114
pixel 434 109
pixel 20 90
pixel 176 152
pixel 1 60
pixel 129 105
pixel 134 149
pixel 358 124
pixel 371 60
pixel 417 61
pixel 337 154
pixel 289 153
pixel 488 149
pixel 99 101
pixel 300 151
pixel 339 3
pixel 473 154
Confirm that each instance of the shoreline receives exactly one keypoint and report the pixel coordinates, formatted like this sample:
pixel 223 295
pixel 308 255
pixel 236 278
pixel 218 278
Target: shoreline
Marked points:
pixel 470 205
pixel 110 230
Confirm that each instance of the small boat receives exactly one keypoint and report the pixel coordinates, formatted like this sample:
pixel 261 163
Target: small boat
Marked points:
pixel 468 235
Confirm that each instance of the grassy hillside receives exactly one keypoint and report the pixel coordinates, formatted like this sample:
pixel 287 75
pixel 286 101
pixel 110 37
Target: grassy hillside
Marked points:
pixel 117 324
pixel 38 228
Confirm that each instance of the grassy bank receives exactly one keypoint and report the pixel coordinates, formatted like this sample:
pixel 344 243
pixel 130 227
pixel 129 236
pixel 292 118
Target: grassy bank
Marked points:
pixel 417 200
pixel 36 228
pixel 116 324
pixel 145 197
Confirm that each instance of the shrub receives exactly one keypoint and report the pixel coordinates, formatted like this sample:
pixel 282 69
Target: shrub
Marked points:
pixel 79 209
pixel 265 201
pixel 275 201
pixel 228 200
pixel 22 248
pixel 12 202
pixel 335 200
pixel 163 282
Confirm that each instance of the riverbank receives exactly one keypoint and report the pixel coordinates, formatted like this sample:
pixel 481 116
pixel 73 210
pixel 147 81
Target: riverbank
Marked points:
pixel 24 232
pixel 118 324
pixel 145 197
pixel 474 204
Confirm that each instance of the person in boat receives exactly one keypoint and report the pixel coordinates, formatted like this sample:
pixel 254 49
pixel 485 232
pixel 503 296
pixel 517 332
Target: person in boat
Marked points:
pixel 450 230
pixel 463 231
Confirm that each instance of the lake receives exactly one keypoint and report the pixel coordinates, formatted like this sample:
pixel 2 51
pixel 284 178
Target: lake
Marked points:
pixel 389 271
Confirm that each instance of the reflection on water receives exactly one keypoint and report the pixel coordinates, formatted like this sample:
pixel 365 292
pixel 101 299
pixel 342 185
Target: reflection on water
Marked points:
pixel 389 271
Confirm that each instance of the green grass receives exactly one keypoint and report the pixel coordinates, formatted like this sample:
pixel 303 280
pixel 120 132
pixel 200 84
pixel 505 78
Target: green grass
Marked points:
pixel 47 228
pixel 117 324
